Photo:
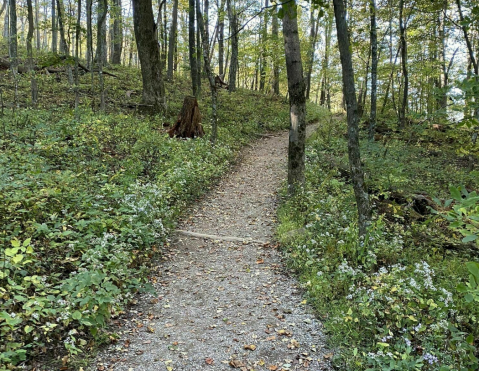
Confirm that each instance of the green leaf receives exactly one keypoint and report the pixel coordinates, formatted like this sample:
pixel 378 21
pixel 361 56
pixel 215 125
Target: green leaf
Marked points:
pixel 471 237
pixel 26 242
pixel 11 252
pixel 28 329
pixel 17 258
pixel 76 315
pixel 455 193
pixel 473 268
pixel 469 298
pixel 15 243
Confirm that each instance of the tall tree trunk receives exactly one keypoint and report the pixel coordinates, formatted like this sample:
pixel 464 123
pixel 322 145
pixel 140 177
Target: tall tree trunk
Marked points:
pixel 172 41
pixel 374 70
pixel 211 76
pixel 199 49
pixel 221 36
pixel 274 35
pixel 297 98
pixel 117 32
pixel 149 54
pixel 313 37
pixel 89 35
pixel 33 81
pixel 402 34
pixel 264 41
pixel 192 47
pixel 13 45
pixel 234 45
pixel 54 28
pixel 472 57
pixel 323 101
pixel 357 174
pixel 101 47
pixel 77 57
pixel 37 21
pixel 6 22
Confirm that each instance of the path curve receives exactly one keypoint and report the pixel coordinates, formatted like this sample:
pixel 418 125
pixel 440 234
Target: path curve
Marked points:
pixel 225 304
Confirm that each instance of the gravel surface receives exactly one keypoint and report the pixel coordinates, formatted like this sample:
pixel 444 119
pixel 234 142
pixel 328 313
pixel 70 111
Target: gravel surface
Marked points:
pixel 225 305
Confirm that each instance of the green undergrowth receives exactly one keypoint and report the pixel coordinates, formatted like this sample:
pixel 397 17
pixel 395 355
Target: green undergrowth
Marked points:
pixel 405 297
pixel 87 200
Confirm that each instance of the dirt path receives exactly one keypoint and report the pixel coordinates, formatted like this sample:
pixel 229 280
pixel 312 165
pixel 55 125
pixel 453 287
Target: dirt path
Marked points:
pixel 225 304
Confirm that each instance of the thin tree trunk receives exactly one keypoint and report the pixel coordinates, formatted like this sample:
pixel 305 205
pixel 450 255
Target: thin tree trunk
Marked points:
pixel 149 54
pixel 402 32
pixel 297 98
pixel 274 35
pixel 313 37
pixel 264 41
pixel 374 70
pixel 101 47
pixel 357 174
pixel 117 33
pixel 54 28
pixel 89 36
pixel 30 53
pixel 77 56
pixel 211 77
pixel 13 46
pixel 37 20
pixel 172 41
pixel 192 47
pixel 234 45
pixel 221 36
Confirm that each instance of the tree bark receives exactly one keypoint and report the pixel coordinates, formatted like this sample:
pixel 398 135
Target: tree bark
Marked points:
pixel 37 20
pixel 264 41
pixel 33 81
pixel 274 35
pixel 149 54
pixel 77 61
pixel 188 124
pixel 221 36
pixel 312 45
pixel 172 41
pixel 357 174
pixel 101 48
pixel 297 98
pixel 211 78
pixel 402 32
pixel 234 45
pixel 192 47
pixel 54 28
pixel 374 69
pixel 89 37
pixel 117 33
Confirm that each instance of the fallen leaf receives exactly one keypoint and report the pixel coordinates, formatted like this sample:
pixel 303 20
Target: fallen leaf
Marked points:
pixel 293 344
pixel 260 261
pixel 329 355
pixel 250 347
pixel 284 332
pixel 151 329
pixel 236 363
pixel 272 368
pixel 139 352
pixel 270 338
pixel 209 361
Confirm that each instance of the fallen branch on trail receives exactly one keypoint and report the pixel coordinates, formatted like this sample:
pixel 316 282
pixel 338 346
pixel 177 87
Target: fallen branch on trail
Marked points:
pixel 222 238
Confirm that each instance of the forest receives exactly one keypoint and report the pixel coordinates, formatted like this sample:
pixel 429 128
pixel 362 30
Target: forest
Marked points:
pixel 120 117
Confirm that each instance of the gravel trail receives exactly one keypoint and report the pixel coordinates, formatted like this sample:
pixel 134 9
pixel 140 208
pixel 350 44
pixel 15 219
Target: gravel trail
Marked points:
pixel 225 305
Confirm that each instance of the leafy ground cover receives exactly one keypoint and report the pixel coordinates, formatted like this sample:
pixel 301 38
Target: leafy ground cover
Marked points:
pixel 405 297
pixel 87 200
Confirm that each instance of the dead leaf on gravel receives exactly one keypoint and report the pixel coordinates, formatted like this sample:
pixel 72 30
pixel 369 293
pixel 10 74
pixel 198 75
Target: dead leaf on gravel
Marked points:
pixel 329 355
pixel 260 261
pixel 270 338
pixel 250 347
pixel 284 332
pixel 236 363
pixel 151 329
pixel 209 361
pixel 272 368
pixel 139 352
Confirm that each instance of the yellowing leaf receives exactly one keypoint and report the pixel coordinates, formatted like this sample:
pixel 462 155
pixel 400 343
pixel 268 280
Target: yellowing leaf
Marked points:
pixel 250 347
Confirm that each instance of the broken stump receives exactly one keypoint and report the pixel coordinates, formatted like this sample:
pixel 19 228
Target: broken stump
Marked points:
pixel 188 124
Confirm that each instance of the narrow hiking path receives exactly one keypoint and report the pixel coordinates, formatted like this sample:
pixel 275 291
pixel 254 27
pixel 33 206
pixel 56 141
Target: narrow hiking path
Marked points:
pixel 225 304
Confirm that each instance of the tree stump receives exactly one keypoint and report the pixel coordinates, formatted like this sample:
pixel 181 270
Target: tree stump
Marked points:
pixel 188 124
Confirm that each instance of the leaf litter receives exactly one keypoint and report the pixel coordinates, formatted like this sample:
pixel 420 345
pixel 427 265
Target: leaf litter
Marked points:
pixel 224 304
